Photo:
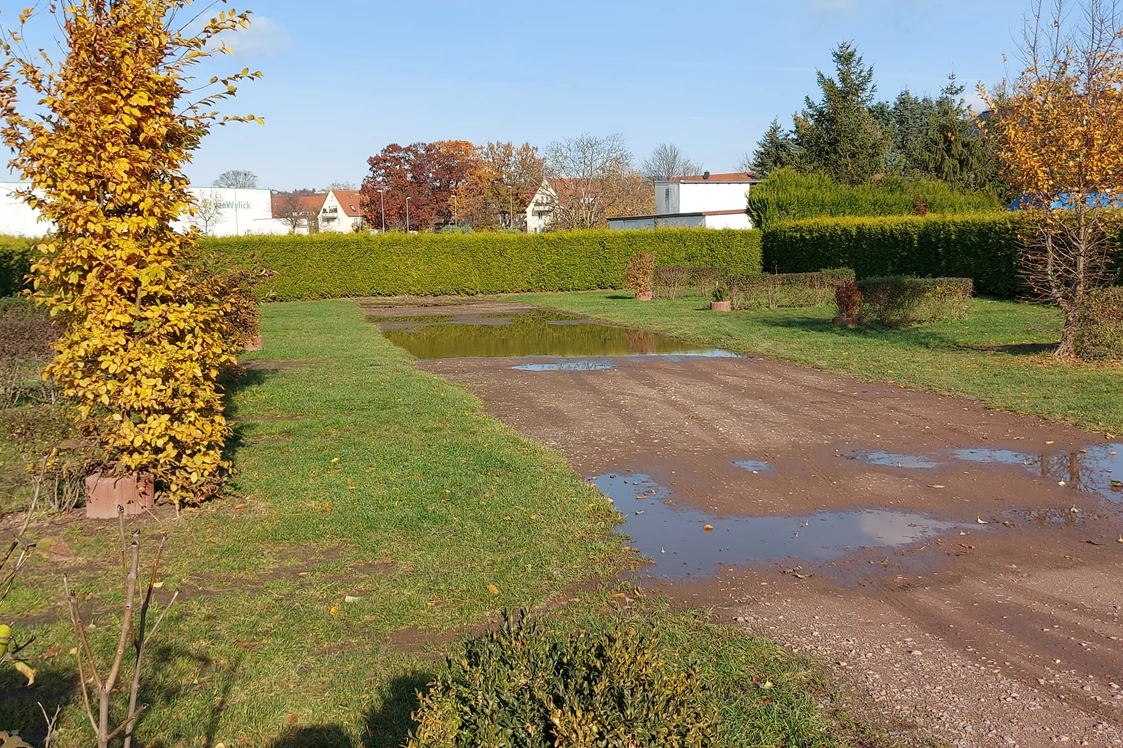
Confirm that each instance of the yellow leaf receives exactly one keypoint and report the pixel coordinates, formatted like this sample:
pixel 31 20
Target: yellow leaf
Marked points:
pixel 493 589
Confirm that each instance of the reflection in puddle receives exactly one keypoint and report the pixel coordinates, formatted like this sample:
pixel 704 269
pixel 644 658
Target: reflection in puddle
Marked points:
pixel 912 462
pixel 568 366
pixel 1097 469
pixel 676 540
pixel 535 333
pixel 754 466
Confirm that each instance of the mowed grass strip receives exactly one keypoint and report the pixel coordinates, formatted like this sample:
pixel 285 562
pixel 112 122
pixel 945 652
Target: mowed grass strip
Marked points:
pixel 1000 355
pixel 375 507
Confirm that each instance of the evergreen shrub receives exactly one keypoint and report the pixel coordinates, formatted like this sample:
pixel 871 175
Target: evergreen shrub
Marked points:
pixel 1099 331
pixel 526 686
pixel 789 196
pixel 900 301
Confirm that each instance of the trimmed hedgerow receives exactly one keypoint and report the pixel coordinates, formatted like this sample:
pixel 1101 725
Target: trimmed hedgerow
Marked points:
pixel 789 196
pixel 345 265
pixel 787 290
pixel 899 301
pixel 15 263
pixel 674 281
pixel 524 685
pixel 1099 330
pixel 983 247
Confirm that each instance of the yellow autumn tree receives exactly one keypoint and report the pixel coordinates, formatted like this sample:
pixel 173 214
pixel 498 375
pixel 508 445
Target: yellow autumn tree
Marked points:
pixel 103 136
pixel 1058 129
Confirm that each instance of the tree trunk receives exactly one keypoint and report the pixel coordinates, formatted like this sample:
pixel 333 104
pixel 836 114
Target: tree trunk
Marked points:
pixel 1068 334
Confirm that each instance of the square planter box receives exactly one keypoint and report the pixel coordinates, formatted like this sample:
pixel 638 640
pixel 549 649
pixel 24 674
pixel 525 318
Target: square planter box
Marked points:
pixel 105 493
pixel 721 306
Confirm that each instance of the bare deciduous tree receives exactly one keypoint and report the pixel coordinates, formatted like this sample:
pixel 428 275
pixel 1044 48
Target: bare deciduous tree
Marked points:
pixel 594 180
pixel 237 179
pixel 298 211
pixel 1057 129
pixel 667 162
pixel 208 212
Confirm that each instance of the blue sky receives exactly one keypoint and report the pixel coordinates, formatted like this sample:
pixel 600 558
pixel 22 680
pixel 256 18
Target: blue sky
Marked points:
pixel 345 77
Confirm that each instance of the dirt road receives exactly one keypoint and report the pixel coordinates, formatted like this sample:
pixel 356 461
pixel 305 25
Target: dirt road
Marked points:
pixel 960 566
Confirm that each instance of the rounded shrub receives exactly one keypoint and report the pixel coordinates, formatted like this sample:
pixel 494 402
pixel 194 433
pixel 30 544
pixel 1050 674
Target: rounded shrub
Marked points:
pixel 528 687
pixel 1099 327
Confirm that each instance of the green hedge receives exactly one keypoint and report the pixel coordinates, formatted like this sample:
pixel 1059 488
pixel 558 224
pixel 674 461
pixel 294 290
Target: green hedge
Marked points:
pixel 983 247
pixel 341 265
pixel 786 290
pixel 15 263
pixel 896 302
pixel 789 196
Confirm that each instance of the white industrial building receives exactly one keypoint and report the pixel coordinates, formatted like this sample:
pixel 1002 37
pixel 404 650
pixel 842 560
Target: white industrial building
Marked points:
pixel 712 201
pixel 237 212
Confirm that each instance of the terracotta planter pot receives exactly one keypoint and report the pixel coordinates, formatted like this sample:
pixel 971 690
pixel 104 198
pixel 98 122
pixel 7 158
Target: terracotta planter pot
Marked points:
pixel 253 344
pixel 845 321
pixel 721 306
pixel 105 493
pixel 644 296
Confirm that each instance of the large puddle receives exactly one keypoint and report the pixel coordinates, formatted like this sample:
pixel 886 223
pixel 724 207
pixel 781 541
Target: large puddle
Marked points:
pixel 686 543
pixel 534 333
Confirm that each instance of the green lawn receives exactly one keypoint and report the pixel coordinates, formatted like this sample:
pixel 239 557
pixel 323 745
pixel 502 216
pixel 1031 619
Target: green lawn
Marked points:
pixel 374 507
pixel 999 356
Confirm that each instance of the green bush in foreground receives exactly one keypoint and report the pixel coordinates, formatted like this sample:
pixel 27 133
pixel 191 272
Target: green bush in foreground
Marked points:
pixel 983 247
pixel 350 265
pixel 895 302
pixel 1099 331
pixel 790 196
pixel 524 686
pixel 787 290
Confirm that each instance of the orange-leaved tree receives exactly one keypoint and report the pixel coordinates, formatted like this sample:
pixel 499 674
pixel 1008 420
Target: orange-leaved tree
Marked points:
pixel 1058 129
pixel 144 333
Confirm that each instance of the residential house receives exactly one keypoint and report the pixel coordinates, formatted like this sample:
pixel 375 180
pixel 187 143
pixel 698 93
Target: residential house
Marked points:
pixel 300 214
pixel 540 210
pixel 340 212
pixel 714 201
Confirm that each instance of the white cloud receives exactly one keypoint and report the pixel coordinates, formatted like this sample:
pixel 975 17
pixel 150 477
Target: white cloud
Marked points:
pixel 263 38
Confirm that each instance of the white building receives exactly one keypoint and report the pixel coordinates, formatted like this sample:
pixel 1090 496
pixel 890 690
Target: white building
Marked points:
pixel 540 210
pixel 230 212
pixel 713 201
pixel 340 212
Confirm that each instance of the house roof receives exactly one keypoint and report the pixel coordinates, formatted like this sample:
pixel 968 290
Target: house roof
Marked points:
pixel 736 176
pixel 281 203
pixel 349 199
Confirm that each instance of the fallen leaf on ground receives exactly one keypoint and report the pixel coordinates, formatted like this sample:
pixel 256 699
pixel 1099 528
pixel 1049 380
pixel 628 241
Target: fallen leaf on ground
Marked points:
pixel 493 589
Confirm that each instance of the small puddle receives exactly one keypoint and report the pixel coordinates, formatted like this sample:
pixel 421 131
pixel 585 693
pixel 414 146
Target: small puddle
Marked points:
pixel 676 539
pixel 534 333
pixel 754 466
pixel 909 462
pixel 568 366
pixel 1097 469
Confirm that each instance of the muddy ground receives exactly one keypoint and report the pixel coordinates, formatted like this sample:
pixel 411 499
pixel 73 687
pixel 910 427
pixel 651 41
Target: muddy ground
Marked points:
pixel 1000 622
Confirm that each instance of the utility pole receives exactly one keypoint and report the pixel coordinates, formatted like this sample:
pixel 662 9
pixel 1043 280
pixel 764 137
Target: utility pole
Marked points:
pixel 407 215
pixel 382 200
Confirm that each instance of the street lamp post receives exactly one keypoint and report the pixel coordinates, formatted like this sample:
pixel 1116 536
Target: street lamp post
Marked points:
pixel 407 215
pixel 382 200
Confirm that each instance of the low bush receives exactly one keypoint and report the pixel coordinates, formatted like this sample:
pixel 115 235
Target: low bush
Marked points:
pixel 848 300
pixel 675 281
pixel 787 290
pixel 899 301
pixel 1099 332
pixel 347 265
pixel 525 686
pixel 983 247
pixel 789 196
pixel 640 273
